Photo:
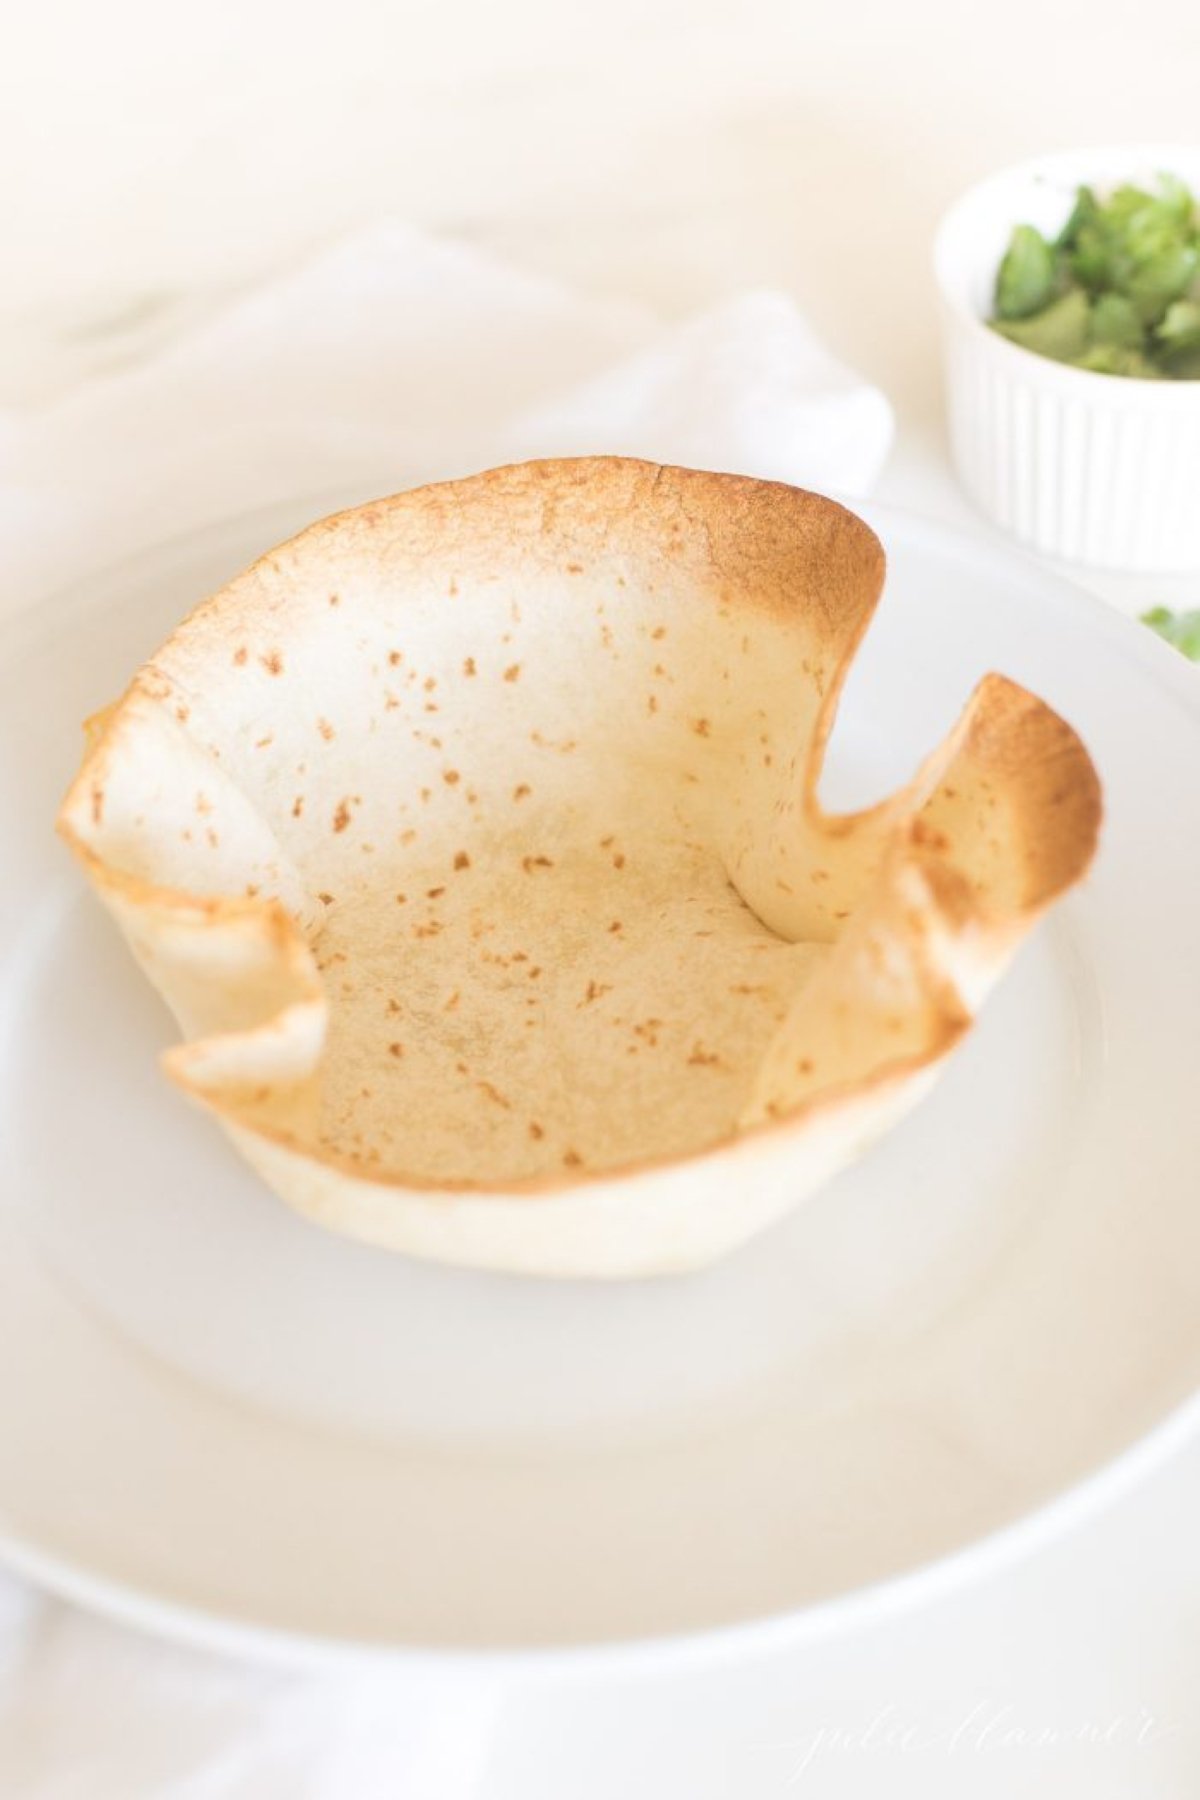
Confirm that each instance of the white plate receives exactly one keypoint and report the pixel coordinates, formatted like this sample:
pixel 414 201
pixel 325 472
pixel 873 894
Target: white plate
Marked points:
pixel 219 1420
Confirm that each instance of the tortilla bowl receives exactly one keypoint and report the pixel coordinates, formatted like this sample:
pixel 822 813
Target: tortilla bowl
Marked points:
pixel 472 837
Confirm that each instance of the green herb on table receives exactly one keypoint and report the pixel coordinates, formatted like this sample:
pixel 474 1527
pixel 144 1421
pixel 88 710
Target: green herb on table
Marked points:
pixel 1117 291
pixel 1179 628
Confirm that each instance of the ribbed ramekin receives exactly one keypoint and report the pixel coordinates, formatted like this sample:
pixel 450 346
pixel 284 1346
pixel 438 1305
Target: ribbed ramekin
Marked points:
pixel 1095 469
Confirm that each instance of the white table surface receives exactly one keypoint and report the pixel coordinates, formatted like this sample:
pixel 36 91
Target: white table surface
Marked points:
pixel 670 153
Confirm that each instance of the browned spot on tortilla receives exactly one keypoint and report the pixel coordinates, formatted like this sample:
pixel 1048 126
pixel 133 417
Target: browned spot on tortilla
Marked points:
pixel 434 893
pixel 615 926
pixel 618 861
pixel 462 860
pixel 701 727
pixel 700 1058
pixel 574 568
pixel 660 631
pixel 452 1003
pixel 241 656
pixel 326 730
pixel 522 791
pixel 451 777
pixel 572 1160
pixel 932 839
pixel 530 863
pixel 469 666
pixel 401 899
pixel 272 662
pixel 335 599
pixel 341 817
pixel 535 1130
pixel 395 657
pixel 325 899
pixel 97 805
pixel 396 1050
pixel 595 991
pixel 297 806
pixel 513 671
pixel 494 1095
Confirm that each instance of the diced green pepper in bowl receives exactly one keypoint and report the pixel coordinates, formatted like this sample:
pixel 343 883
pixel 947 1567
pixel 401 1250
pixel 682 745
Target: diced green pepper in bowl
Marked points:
pixel 1117 292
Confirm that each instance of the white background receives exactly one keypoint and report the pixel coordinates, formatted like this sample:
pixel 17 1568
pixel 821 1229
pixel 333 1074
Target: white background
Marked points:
pixel 158 157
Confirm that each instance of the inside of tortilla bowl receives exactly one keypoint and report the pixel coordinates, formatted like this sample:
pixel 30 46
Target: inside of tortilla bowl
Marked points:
pixel 527 766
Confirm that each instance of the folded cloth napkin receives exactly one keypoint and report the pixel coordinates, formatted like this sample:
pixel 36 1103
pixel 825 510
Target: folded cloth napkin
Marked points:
pixel 394 358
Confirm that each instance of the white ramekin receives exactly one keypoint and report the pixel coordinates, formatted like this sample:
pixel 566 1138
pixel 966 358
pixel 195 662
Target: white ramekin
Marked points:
pixel 1095 469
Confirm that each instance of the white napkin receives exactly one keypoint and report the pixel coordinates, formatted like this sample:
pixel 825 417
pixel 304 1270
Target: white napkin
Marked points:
pixel 394 358
pixel 397 358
